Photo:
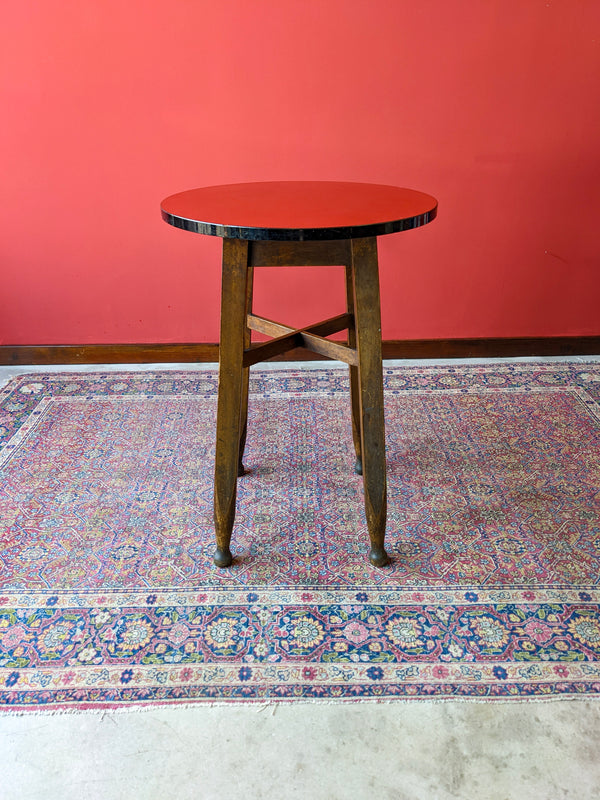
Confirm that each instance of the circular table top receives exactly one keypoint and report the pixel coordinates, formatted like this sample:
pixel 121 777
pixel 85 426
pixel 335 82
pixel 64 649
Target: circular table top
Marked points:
pixel 298 210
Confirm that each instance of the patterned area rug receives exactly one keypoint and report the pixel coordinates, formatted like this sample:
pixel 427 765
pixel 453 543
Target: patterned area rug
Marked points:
pixel 108 595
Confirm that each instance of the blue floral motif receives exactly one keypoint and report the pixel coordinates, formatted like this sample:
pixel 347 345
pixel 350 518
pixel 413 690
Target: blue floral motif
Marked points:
pixel 245 673
pixel 585 596
pixel 472 597
pixel 52 601
pixel 375 673
pixel 500 673
pixel 362 597
pixel 252 597
pixel 126 675
pixel 12 679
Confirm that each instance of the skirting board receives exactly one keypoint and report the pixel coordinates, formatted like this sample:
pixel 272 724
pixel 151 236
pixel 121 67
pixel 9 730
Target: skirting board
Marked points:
pixel 16 355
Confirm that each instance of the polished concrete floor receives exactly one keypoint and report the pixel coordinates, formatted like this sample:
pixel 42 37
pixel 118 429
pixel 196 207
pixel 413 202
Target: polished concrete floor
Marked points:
pixel 396 751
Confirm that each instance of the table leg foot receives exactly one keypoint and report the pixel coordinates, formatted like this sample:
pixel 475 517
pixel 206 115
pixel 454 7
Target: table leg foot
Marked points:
pixel 241 470
pixel 379 557
pixel 223 557
pixel 358 466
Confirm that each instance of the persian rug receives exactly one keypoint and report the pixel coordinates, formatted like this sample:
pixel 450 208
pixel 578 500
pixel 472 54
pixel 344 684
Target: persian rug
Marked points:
pixel 108 594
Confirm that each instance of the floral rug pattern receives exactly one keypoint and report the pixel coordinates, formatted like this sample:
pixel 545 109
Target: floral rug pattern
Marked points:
pixel 108 594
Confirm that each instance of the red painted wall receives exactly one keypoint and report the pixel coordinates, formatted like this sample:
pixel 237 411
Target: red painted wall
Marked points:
pixel 492 106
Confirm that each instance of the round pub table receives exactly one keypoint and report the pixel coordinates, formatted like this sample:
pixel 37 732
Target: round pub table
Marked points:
pixel 300 223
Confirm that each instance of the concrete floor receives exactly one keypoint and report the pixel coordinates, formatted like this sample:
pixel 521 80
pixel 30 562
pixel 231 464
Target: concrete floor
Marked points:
pixel 401 751
pixel 414 751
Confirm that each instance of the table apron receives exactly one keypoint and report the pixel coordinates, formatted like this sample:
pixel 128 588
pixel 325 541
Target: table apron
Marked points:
pixel 299 254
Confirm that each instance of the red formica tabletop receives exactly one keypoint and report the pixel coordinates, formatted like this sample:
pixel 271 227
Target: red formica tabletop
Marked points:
pixel 298 210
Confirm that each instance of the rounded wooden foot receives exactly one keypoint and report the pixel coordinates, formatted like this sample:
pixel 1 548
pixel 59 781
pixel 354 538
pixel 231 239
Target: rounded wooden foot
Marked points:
pixel 378 557
pixel 223 558
pixel 241 470
pixel 358 466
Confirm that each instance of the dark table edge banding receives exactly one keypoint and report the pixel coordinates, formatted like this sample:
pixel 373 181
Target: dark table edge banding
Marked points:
pixel 299 234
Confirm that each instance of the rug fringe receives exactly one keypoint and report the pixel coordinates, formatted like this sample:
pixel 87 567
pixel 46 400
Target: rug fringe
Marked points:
pixel 272 706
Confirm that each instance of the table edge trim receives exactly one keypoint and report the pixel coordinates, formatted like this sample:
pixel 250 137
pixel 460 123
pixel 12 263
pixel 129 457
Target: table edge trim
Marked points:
pixel 299 234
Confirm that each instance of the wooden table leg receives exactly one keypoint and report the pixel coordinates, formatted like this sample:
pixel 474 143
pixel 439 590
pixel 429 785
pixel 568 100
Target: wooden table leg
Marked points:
pixel 245 374
pixel 354 387
pixel 370 378
pixel 231 351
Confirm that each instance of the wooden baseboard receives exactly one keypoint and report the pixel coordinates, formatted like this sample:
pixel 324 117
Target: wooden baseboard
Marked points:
pixel 108 353
pixel 493 348
pixel 20 355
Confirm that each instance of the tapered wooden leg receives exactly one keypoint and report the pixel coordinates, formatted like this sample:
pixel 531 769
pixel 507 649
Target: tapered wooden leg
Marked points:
pixel 370 379
pixel 354 388
pixel 231 350
pixel 245 374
